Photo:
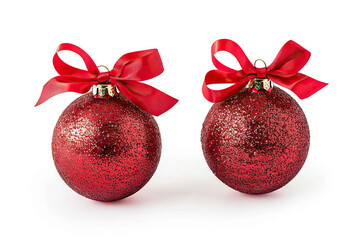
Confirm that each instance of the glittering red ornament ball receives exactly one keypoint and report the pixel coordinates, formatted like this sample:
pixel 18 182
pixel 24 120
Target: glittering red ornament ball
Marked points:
pixel 106 149
pixel 256 142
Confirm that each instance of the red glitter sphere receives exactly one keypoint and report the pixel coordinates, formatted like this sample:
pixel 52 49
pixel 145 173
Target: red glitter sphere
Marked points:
pixel 106 149
pixel 256 142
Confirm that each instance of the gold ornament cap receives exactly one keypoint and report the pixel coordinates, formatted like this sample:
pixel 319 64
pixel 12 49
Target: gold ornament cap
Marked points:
pixel 104 90
pixel 260 84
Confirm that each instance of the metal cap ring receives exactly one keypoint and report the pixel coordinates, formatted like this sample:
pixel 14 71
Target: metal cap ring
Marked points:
pixel 261 61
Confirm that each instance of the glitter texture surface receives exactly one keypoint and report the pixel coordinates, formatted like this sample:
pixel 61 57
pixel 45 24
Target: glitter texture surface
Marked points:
pixel 256 142
pixel 106 149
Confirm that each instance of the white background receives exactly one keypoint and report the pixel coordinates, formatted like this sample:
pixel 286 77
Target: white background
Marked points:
pixel 183 200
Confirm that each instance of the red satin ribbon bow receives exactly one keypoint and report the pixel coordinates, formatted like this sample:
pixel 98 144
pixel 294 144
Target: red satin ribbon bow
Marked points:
pixel 127 73
pixel 284 71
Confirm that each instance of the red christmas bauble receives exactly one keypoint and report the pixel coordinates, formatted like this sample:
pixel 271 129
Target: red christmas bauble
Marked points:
pixel 256 142
pixel 106 149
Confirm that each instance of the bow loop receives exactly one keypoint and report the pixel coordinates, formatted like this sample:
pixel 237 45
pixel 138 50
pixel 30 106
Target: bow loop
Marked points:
pixel 233 48
pixel 138 66
pixel 290 60
pixel 64 69
pixel 128 71
pixel 284 71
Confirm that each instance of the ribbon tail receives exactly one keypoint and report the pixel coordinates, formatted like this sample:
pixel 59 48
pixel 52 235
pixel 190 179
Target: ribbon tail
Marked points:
pixel 216 76
pixel 303 86
pixel 149 99
pixel 61 84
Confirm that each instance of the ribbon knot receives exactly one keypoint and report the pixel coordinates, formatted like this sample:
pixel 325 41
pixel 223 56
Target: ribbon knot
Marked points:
pixel 284 71
pixel 261 72
pixel 104 77
pixel 127 74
